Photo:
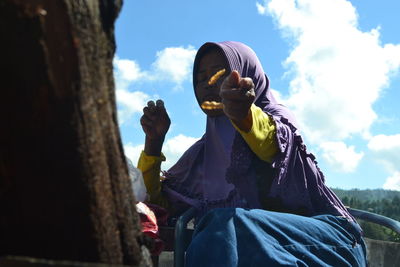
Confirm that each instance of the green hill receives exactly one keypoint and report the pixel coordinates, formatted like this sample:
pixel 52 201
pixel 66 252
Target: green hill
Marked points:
pixel 367 194
pixel 380 201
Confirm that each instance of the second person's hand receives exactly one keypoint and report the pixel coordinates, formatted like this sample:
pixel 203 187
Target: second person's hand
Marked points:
pixel 237 95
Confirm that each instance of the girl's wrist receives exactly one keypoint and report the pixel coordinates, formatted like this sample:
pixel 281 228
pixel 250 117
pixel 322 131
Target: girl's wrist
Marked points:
pixel 246 123
pixel 153 147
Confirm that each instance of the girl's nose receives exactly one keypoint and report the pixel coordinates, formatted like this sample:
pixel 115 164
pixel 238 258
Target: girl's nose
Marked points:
pixel 213 87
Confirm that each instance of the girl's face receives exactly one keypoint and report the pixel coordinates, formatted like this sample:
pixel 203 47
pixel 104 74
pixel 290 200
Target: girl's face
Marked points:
pixel 209 64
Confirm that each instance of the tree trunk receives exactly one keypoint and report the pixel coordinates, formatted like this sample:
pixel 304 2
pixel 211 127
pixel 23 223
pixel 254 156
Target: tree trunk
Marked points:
pixel 65 192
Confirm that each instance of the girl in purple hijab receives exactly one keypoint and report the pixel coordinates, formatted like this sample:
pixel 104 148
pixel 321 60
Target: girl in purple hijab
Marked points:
pixel 260 196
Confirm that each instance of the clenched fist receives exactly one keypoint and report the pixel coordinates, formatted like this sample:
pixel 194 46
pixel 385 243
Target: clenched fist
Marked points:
pixel 155 123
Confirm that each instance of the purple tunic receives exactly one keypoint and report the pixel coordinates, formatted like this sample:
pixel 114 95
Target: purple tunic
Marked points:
pixel 220 170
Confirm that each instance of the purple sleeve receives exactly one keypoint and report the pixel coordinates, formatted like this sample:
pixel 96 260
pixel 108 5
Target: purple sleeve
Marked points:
pixel 299 185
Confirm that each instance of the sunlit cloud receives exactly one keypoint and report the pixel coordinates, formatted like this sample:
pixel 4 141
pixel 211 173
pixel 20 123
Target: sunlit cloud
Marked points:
pixel 342 157
pixel 173 149
pixel 261 9
pixel 278 96
pixel 385 149
pixel 393 182
pixel 336 71
pixel 385 143
pixel 174 64
pixel 130 103
pixel 133 152
pixel 128 70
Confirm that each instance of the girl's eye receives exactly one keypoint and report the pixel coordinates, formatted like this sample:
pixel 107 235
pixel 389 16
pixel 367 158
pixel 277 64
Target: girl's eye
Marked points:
pixel 201 79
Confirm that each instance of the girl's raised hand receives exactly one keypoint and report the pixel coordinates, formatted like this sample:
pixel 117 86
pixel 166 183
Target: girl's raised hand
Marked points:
pixel 155 120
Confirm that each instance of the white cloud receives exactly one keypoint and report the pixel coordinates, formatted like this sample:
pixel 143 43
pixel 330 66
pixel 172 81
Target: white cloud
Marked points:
pixel 342 157
pixel 260 8
pixel 133 152
pixel 385 143
pixel 125 73
pixel 386 150
pixel 337 70
pixel 174 63
pixel 130 103
pixel 393 182
pixel 127 69
pixel 173 149
pixel 278 96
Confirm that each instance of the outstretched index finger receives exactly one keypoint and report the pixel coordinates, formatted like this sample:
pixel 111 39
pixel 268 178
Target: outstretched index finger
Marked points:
pixel 232 81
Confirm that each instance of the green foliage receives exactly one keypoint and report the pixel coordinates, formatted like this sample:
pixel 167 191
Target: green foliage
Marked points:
pixel 379 201
pixel 378 232
pixel 367 194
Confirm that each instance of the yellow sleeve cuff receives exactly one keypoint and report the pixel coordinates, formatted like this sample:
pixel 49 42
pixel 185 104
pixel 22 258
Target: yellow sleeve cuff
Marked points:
pixel 151 168
pixel 147 162
pixel 262 136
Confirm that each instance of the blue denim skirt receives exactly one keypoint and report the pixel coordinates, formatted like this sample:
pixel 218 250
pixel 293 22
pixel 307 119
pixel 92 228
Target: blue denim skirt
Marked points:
pixel 239 237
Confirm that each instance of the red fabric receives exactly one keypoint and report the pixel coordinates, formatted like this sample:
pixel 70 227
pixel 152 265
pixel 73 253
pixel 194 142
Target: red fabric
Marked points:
pixel 150 216
pixel 161 213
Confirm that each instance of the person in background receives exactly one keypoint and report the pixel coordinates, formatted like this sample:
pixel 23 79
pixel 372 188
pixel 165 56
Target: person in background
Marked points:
pixel 260 197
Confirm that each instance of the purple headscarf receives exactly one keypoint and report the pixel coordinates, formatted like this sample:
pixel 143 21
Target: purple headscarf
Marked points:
pixel 220 170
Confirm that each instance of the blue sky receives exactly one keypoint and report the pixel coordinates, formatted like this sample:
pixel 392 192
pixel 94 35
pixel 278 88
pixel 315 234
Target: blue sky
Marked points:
pixel 335 63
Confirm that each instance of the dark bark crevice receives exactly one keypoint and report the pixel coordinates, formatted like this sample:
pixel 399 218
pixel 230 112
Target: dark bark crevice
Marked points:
pixel 64 186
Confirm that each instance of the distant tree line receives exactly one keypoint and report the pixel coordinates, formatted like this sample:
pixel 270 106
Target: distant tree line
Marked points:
pixel 379 201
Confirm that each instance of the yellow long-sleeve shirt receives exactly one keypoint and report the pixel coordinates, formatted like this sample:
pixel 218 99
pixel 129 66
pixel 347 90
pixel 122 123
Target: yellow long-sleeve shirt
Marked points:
pixel 261 139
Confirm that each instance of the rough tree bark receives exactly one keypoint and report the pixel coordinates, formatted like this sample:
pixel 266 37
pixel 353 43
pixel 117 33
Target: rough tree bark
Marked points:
pixel 64 186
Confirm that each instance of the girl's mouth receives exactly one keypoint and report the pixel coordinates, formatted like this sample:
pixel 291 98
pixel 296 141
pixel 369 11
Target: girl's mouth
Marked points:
pixel 215 98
